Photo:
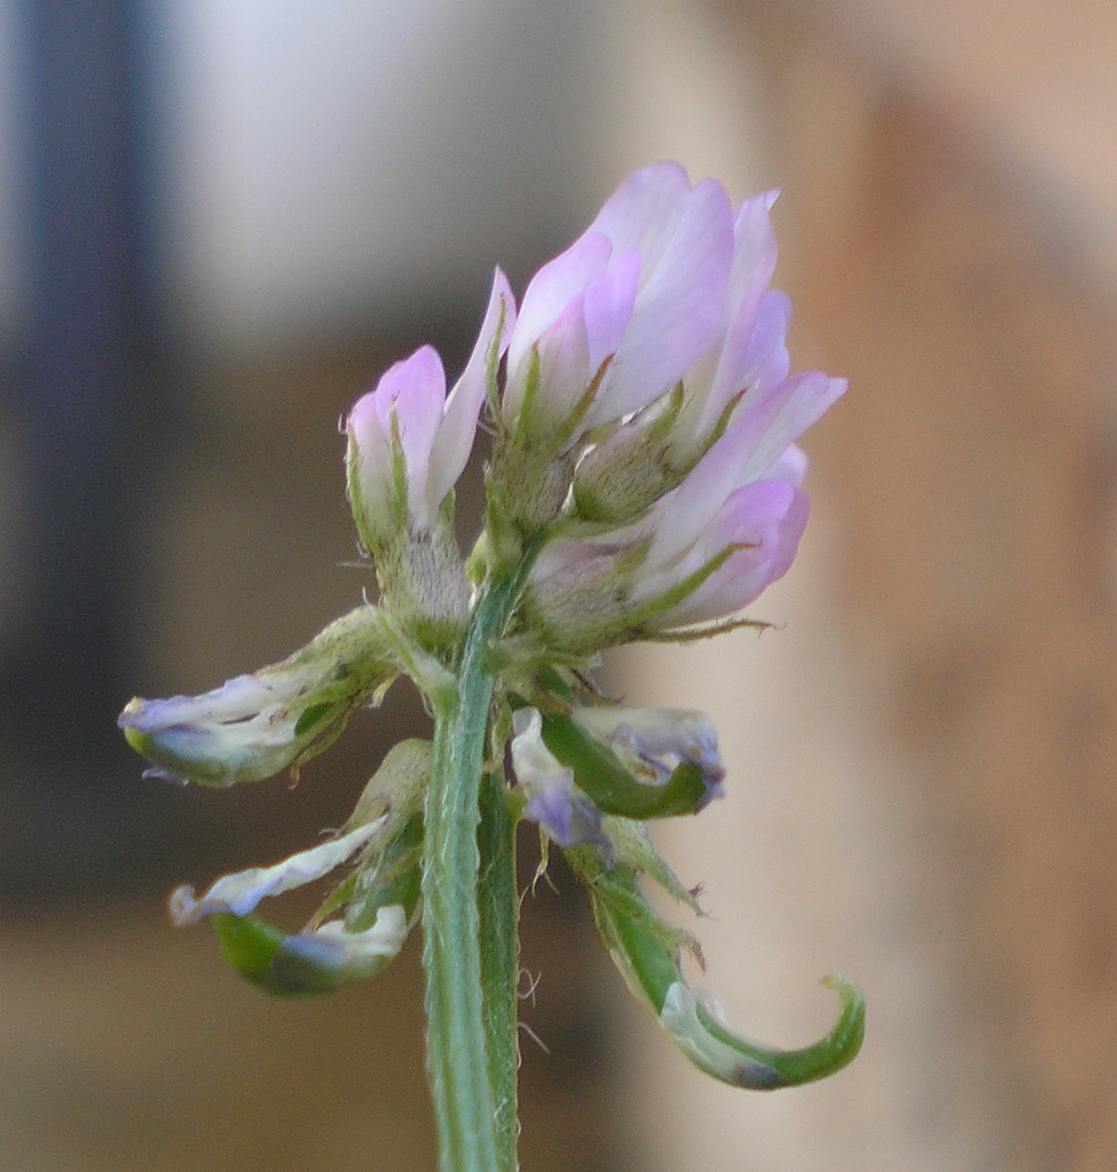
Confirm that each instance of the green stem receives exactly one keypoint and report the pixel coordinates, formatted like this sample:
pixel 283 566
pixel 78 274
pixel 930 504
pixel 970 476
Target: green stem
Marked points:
pixel 499 906
pixel 471 1137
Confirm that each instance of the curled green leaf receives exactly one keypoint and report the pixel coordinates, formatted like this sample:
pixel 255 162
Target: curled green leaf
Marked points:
pixel 647 954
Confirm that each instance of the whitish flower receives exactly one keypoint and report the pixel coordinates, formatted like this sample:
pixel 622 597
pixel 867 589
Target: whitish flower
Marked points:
pixel 255 725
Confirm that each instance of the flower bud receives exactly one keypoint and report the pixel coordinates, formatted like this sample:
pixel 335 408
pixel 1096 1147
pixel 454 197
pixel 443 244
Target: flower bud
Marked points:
pixel 408 442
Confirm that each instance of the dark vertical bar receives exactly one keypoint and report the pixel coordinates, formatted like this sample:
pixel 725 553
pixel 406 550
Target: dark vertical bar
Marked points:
pixel 78 398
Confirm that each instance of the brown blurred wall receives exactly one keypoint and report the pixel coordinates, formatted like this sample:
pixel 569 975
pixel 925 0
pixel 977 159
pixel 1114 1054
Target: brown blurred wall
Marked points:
pixel 925 759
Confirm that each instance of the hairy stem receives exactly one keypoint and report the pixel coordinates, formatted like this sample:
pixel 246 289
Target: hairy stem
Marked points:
pixel 476 1133
pixel 499 907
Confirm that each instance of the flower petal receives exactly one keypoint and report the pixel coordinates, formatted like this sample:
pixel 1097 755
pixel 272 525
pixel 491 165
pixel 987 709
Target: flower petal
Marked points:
pixel 767 516
pixel 553 800
pixel 239 893
pixel 416 389
pixel 644 212
pixel 459 421
pixel 550 291
pixel 678 307
pixel 608 306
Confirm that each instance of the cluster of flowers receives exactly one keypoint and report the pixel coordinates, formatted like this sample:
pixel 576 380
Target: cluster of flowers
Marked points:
pixel 644 483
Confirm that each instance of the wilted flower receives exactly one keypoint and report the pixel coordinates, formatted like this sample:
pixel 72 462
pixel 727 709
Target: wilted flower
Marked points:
pixel 253 726
pixel 626 762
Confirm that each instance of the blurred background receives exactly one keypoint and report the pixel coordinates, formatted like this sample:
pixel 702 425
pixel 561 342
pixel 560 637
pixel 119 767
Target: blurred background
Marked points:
pixel 219 222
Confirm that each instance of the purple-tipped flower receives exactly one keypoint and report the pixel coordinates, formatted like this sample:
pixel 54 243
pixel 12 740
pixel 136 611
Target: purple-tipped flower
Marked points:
pixel 706 549
pixel 255 725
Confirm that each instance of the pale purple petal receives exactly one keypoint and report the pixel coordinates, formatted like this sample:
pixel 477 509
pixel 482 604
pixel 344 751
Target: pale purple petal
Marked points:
pixel 695 503
pixel 791 466
pixel 754 244
pixel 608 306
pixel 554 802
pixel 237 698
pixel 239 893
pixel 551 290
pixel 332 949
pixel 644 212
pixel 564 365
pixel 766 362
pixel 769 517
pixel 753 356
pixel 371 451
pixel 416 392
pixel 678 307
pixel 459 420
pixel 782 417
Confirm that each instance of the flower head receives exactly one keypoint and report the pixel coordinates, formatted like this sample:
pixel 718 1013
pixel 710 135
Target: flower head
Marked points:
pixel 645 482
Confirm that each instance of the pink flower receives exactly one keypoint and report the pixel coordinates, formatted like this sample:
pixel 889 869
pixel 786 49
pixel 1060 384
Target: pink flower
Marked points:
pixel 704 550
pixel 744 360
pixel 629 306
pixel 409 440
